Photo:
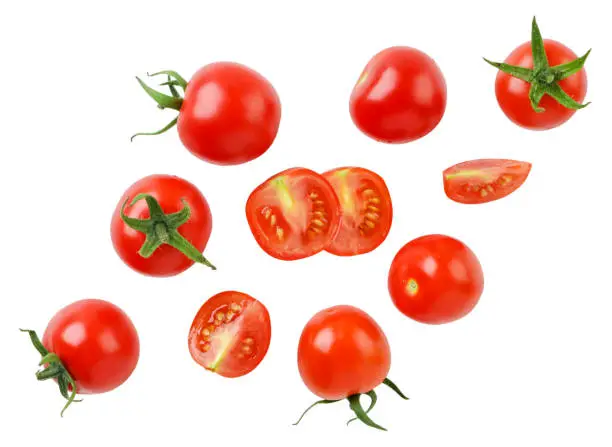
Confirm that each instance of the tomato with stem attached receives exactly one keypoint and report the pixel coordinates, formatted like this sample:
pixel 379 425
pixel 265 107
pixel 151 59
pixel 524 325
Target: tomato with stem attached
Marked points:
pixel 342 354
pixel 230 334
pixel 294 214
pixel 89 347
pixel 230 114
pixel 365 208
pixel 435 279
pixel 541 84
pixel 484 180
pixel 161 225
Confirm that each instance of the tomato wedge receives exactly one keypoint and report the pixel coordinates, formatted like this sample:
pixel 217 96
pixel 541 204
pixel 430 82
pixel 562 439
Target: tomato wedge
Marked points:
pixel 294 214
pixel 485 180
pixel 366 210
pixel 230 334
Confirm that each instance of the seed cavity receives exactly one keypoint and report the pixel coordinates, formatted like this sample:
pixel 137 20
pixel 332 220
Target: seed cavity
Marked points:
pixel 319 221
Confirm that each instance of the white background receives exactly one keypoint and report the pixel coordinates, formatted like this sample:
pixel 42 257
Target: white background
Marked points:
pixel 530 366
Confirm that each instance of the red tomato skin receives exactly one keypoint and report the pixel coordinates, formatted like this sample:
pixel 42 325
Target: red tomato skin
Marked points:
pixel 400 97
pixel 96 342
pixel 168 190
pixel 449 278
pixel 513 94
pixel 342 351
pixel 230 114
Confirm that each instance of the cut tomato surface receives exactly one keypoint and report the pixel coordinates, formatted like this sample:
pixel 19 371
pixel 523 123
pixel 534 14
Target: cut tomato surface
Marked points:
pixel 485 180
pixel 294 214
pixel 230 334
pixel 366 210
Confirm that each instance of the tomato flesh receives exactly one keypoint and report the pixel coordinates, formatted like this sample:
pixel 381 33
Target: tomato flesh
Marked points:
pixel 294 214
pixel 366 210
pixel 485 180
pixel 230 334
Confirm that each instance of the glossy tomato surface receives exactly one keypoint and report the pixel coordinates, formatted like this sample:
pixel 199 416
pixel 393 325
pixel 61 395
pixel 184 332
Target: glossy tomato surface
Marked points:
pixel 484 180
pixel 400 96
pixel 513 94
pixel 342 351
pixel 230 114
pixel 435 279
pixel 169 192
pixel 294 214
pixel 230 334
pixel 96 342
pixel 365 208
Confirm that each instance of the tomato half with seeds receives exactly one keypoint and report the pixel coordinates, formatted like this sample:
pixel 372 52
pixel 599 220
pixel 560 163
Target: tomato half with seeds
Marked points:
pixel 365 207
pixel 485 180
pixel 230 334
pixel 294 214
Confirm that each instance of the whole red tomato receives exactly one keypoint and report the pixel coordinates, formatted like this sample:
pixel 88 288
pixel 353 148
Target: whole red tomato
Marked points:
pixel 342 354
pixel 541 83
pixel 89 347
pixel 400 96
pixel 230 113
pixel 161 225
pixel 435 279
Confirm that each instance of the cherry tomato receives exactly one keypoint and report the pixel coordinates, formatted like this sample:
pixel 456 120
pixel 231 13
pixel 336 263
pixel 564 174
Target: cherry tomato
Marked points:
pixel 230 113
pixel 485 180
pixel 230 334
pixel 294 214
pixel 435 279
pixel 171 241
pixel 366 210
pixel 400 96
pixel 95 347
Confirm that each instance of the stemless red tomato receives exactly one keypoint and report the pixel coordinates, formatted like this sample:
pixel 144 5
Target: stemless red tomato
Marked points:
pixel 230 114
pixel 435 279
pixel 366 210
pixel 342 352
pixel 485 180
pixel 294 214
pixel 400 96
pixel 170 192
pixel 96 342
pixel 230 334
pixel 513 94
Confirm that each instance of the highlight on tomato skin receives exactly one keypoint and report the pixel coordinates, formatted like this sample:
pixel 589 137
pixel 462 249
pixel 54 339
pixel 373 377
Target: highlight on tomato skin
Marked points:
pixel 293 214
pixel 484 180
pixel 230 334
pixel 365 207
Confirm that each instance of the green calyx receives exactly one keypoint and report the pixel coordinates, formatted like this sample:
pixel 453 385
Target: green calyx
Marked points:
pixel 162 228
pixel 173 101
pixel 357 408
pixel 54 369
pixel 543 78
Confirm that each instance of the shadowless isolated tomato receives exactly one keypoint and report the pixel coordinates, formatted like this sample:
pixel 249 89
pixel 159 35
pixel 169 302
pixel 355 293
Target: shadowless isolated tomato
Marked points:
pixel 230 113
pixel 342 354
pixel 541 83
pixel 89 347
pixel 294 214
pixel 435 279
pixel 365 207
pixel 484 180
pixel 400 96
pixel 161 225
pixel 230 334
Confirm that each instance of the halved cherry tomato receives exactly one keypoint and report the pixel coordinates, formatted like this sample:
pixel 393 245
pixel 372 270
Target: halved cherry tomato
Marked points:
pixel 366 210
pixel 485 180
pixel 294 214
pixel 230 334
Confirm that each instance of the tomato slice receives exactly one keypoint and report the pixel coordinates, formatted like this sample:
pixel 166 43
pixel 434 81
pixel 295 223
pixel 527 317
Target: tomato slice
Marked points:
pixel 230 334
pixel 366 210
pixel 485 180
pixel 294 214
